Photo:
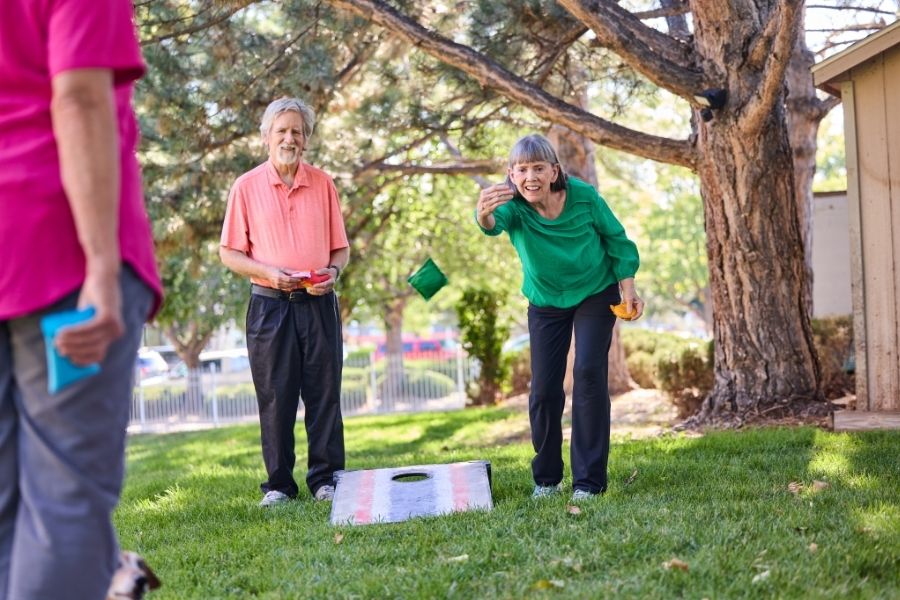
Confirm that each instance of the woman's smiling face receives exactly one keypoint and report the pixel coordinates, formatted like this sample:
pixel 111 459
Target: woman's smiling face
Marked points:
pixel 533 179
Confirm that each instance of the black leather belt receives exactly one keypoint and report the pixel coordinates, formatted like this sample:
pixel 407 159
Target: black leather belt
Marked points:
pixel 297 295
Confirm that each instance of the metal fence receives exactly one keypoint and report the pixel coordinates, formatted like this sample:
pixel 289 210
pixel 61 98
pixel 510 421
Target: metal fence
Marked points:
pixel 370 384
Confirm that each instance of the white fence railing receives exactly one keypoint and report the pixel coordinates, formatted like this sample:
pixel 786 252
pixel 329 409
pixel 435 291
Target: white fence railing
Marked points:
pixel 370 384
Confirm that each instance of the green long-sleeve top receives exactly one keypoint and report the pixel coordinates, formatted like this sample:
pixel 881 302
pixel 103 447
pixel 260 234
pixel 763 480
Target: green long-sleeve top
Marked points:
pixel 564 260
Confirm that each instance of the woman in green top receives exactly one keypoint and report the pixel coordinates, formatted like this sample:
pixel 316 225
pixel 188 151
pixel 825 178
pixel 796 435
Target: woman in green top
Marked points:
pixel 577 262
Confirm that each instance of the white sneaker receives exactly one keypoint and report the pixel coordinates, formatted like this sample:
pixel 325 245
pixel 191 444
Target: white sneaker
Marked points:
pixel 579 495
pixel 273 497
pixel 545 491
pixel 325 493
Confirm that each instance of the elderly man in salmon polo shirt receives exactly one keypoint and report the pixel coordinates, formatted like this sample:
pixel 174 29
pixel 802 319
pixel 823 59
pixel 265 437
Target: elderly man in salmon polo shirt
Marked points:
pixel 283 223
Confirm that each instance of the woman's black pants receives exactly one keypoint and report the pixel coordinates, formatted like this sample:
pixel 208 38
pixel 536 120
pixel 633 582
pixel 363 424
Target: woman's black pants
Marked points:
pixel 551 334
pixel 295 350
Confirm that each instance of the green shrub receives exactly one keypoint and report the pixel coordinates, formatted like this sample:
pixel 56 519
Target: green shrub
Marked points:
pixel 359 356
pixel 833 339
pixel 434 385
pixel 417 384
pixel 687 376
pixel 478 312
pixel 517 365
pixel 353 374
pixel 652 342
pixel 445 366
pixel 354 391
pixel 642 366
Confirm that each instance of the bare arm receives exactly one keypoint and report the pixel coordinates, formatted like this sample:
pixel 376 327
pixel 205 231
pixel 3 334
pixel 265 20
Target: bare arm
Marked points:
pixel 278 278
pixel 84 124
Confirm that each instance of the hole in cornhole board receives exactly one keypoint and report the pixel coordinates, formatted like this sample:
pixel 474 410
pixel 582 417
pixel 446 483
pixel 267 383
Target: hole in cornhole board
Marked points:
pixel 410 477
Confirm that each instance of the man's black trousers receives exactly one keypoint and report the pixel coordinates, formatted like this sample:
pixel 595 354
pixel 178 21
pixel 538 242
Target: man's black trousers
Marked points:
pixel 295 350
pixel 550 330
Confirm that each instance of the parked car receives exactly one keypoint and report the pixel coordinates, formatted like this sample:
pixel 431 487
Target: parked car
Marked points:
pixel 223 361
pixel 150 363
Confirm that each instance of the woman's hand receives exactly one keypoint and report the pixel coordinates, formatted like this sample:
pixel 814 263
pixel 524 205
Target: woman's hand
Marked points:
pixel 630 298
pixel 488 201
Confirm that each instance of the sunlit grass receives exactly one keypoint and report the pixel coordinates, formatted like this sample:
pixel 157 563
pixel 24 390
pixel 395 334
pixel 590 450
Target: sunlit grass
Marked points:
pixel 720 503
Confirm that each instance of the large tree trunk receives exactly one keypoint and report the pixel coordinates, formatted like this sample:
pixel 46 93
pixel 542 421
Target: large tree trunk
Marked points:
pixel 394 380
pixel 189 342
pixel 804 115
pixel 576 154
pixel 764 356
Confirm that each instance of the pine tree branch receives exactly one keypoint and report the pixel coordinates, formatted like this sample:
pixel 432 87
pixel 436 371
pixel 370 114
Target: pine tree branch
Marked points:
pixel 219 18
pixel 492 75
pixel 679 7
pixel 460 167
pixel 660 58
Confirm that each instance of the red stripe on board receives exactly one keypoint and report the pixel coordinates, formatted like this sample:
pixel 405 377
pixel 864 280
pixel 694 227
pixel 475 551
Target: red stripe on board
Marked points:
pixel 365 495
pixel 460 487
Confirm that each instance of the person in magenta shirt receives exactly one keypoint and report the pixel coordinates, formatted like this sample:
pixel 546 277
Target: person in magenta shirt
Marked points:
pixel 75 234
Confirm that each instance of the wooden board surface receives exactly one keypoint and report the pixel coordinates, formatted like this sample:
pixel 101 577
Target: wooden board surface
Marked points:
pixel 858 420
pixel 877 233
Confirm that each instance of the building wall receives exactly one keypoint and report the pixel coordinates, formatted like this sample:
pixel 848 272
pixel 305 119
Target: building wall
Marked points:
pixel 831 256
pixel 872 105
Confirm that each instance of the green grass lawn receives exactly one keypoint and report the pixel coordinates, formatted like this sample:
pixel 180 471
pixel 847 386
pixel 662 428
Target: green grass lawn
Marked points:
pixel 720 503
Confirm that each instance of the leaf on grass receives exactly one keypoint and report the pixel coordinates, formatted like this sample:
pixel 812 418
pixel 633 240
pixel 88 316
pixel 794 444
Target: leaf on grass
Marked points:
pixel 675 563
pixel 795 487
pixel 573 510
pixel 548 584
pixel 760 577
pixel 575 565
pixel 818 486
pixel 338 538
pixel 631 478
pixel 460 558
pixel 813 547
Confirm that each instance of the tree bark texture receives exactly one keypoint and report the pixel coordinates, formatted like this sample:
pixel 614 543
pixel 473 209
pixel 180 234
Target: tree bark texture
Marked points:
pixel 394 383
pixel 805 112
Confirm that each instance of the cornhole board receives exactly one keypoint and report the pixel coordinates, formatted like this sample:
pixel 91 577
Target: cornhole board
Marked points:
pixel 396 494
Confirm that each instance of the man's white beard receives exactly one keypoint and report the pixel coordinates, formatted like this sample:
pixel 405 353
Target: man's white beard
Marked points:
pixel 288 156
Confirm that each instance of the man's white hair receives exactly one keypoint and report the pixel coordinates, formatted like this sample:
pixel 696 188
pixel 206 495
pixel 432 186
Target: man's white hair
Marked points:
pixel 284 105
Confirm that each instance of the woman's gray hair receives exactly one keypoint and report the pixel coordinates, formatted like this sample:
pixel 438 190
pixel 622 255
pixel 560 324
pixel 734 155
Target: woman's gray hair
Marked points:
pixel 536 148
pixel 284 105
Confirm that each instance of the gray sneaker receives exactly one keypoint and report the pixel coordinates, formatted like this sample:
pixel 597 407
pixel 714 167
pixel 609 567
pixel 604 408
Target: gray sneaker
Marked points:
pixel 325 493
pixel 579 495
pixel 543 491
pixel 273 498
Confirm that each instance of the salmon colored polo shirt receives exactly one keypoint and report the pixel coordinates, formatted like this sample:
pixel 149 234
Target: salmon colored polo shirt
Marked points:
pixel 41 260
pixel 294 228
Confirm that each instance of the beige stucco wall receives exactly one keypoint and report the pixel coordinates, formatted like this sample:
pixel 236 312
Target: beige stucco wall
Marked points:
pixel 831 256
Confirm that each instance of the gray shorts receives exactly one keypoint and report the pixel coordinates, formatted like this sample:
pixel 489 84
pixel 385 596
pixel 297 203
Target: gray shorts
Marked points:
pixel 62 458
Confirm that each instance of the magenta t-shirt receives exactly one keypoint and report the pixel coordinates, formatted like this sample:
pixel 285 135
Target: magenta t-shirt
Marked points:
pixel 41 260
